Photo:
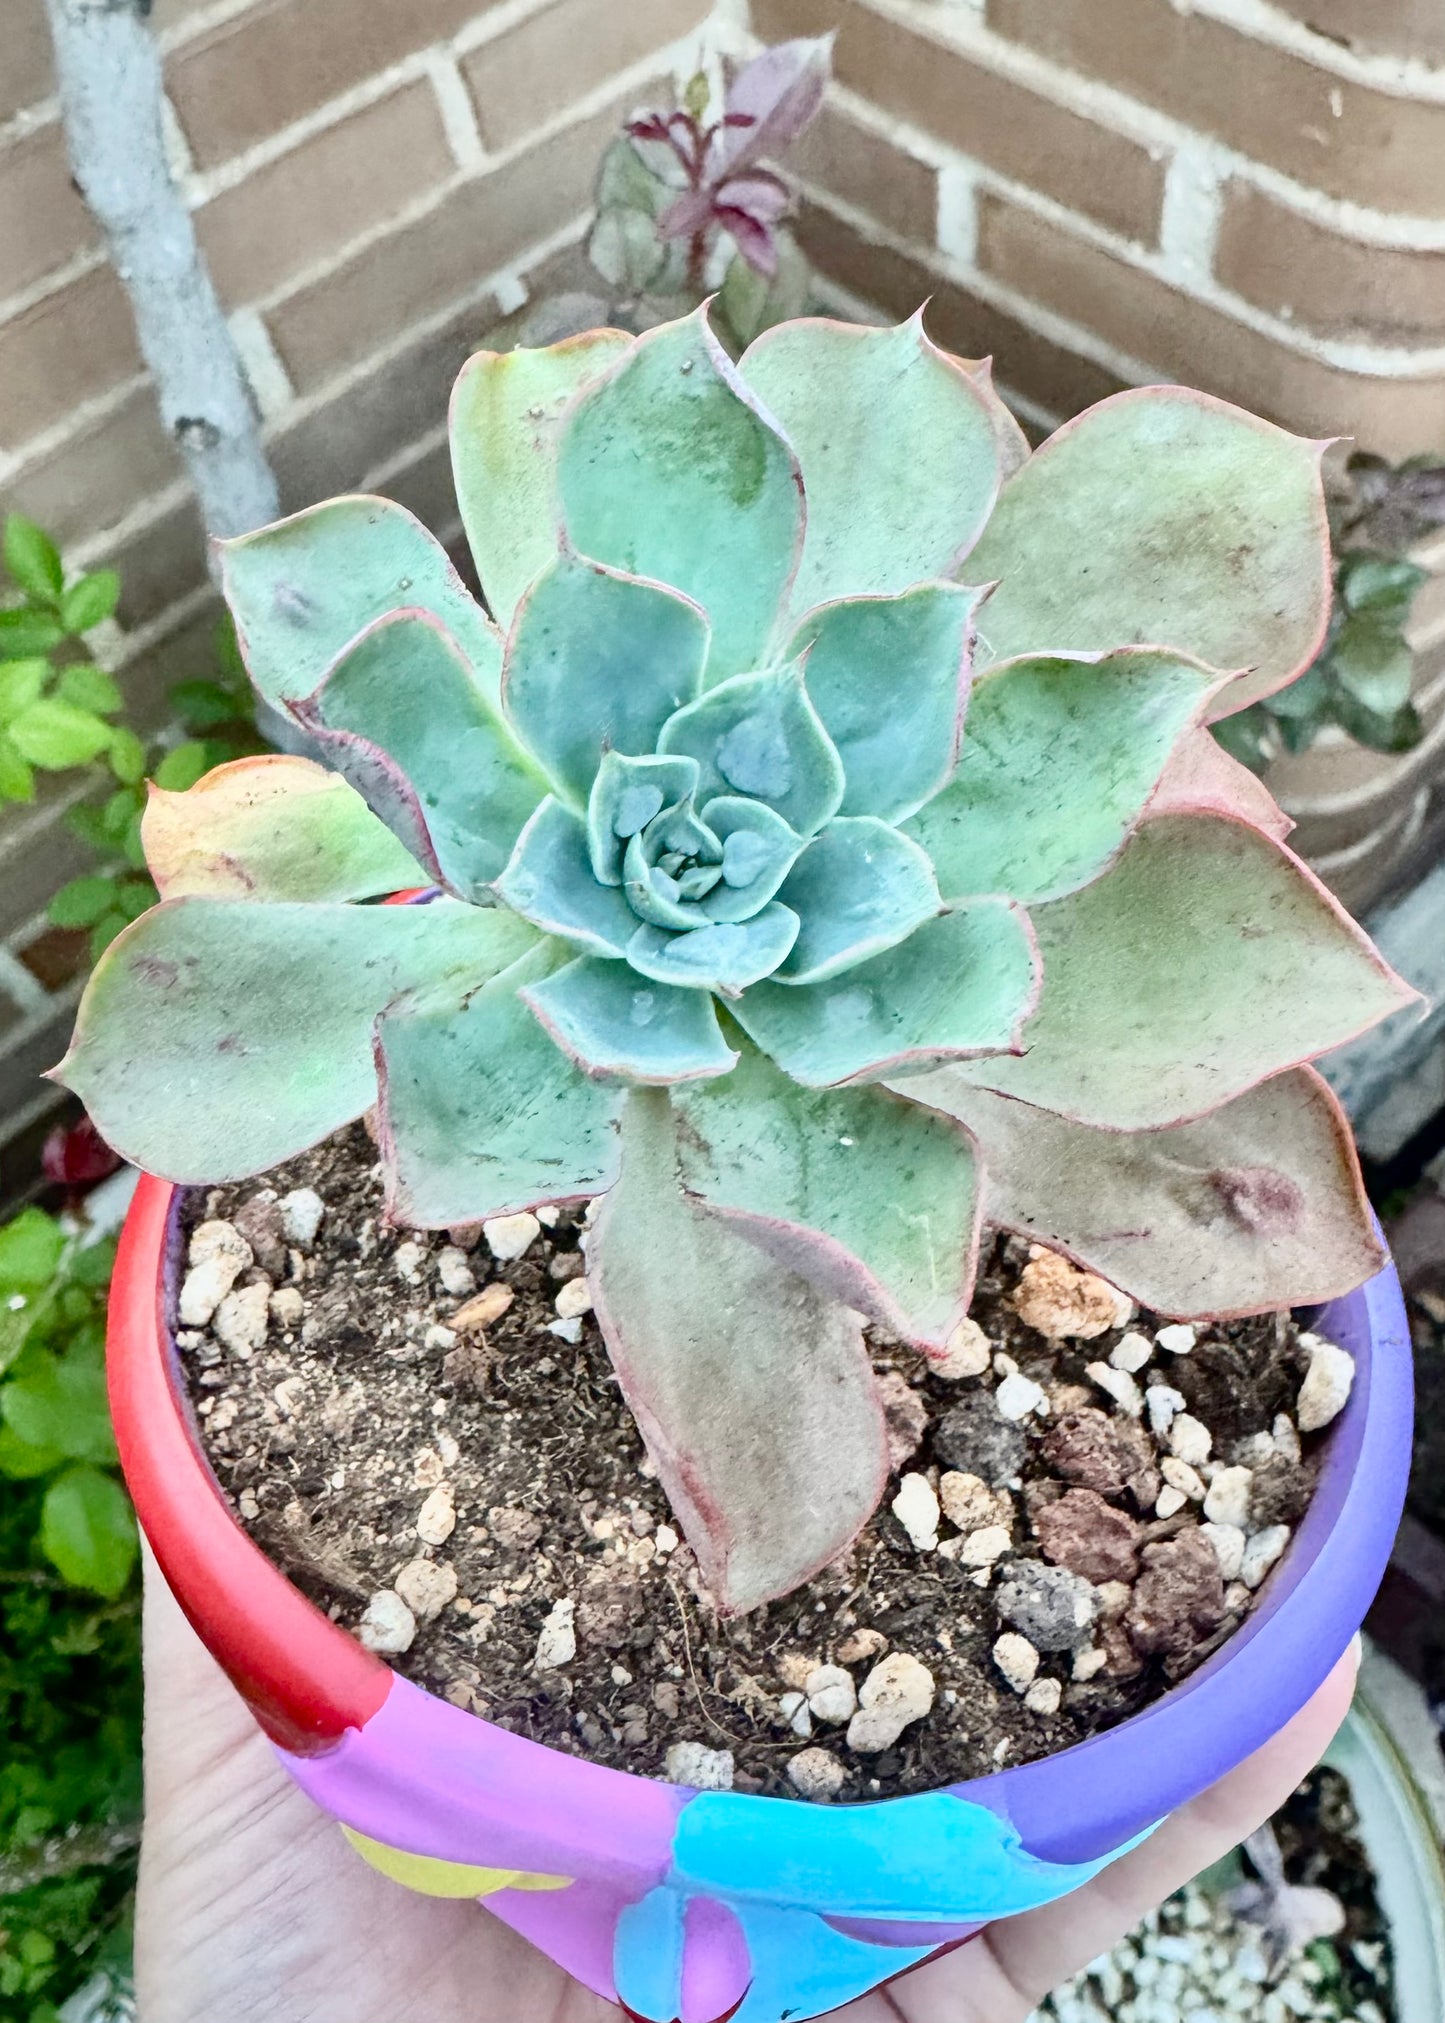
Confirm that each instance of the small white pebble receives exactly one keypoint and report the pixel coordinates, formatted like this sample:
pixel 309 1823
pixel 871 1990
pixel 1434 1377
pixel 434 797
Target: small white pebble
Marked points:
pixel 1131 1353
pixel 219 1239
pixel 438 1337
pixel 204 1287
pixel 1118 1385
pixel 547 1214
pixel 1114 1597
pixel 814 1774
pixel 965 1354
pixel 831 1693
pixel 1179 1475
pixel 1019 1397
pixel 388 1625
pixel 982 1547
pixel 566 1330
pixel 665 1538
pixel 1228 1543
pixel 1177 1340
pixel 248 1505
pixel 916 1508
pixel 1170 1501
pixel 1044 1696
pixel 243 1317
pixel 1236 1595
pixel 1227 1501
pixel 437 1518
pixel 301 1212
pixel 557 1638
pixel 1190 1440
pixel 511 1236
pixel 1089 1662
pixel 1261 1553
pixel 1327 1383
pixel 406 1261
pixel 1163 1402
pixel 620 1676
pixel 288 1308
pixel 574 1299
pixel 288 1395
pixel 455 1273
pixel 1017 1659
pixel 695 1764
pixel 797 1713
pixel 426 1586
pixel 898 1691
pixel 1286 1437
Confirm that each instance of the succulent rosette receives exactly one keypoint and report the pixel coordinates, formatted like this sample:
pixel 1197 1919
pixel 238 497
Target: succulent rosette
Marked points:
pixel 831 854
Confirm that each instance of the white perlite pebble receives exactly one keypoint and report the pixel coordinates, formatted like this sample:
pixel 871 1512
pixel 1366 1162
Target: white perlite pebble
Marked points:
pixel 1286 1437
pixel 797 1713
pixel 1045 1696
pixel 407 1260
pixel 426 1586
pixel 1179 1475
pixel 1132 1353
pixel 204 1287
pixel 1170 1501
pixel 574 1299
pixel 455 1273
pixel 557 1639
pixel 288 1309
pixel 1228 1543
pixel 511 1236
pixel 1227 1500
pixel 813 1773
pixel 1163 1402
pixel 1190 1440
pixel 1089 1662
pixel 898 1691
pixel 1019 1397
pixel 916 1508
pixel 982 1547
pixel 831 1693
pixel 1327 1383
pixel 437 1518
pixel 1017 1659
pixel 243 1317
pixel 567 1331
pixel 1177 1340
pixel 301 1212
pixel 388 1625
pixel 1118 1385
pixel 1261 1553
pixel 965 1354
pixel 219 1239
pixel 695 1764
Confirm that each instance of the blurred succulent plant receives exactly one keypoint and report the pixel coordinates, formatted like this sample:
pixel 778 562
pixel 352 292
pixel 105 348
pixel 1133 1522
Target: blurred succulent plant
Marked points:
pixel 740 924
pixel 679 185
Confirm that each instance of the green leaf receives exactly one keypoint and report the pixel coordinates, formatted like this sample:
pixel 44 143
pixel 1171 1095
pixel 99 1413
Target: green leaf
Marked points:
pixel 1369 657
pixel 1059 760
pixel 269 828
pixel 32 1244
pixel 612 1021
pixel 759 735
pixel 1255 1207
pixel 1400 732
pixel 750 303
pixel 506 412
pixel 848 397
pixel 624 181
pixel 1163 517
pixel 21 683
pixel 727 1412
pixel 81 902
pixel 60 1402
pixel 598 662
pixel 626 795
pixel 33 559
pixel 668 469
pixel 24 634
pixel 90 601
pixel 219 1036
pixel 127 756
pixel 963 984
pixel 17 782
pixel 625 248
pixel 858 888
pixel 898 738
pixel 20 1462
pixel 1381 585
pixel 725 956
pixel 535 1128
pixel 54 735
pixel 758 850
pixel 550 882
pixel 402 716
pixel 88 1531
pixel 90 687
pixel 118 812
pixel 182 766
pixel 303 590
pixel 203 705
pixel 1205 960
pixel 872 1198
pixel 106 930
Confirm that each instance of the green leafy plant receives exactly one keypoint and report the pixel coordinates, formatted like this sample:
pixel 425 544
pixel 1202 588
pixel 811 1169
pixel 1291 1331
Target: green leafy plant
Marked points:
pixel 831 853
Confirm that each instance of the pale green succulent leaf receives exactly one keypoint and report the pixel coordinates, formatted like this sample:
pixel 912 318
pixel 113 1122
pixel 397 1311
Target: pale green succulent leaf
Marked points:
pixel 549 881
pixel 1059 759
pixel 888 677
pixel 402 717
pixel 217 1037
pixel 611 1021
pixel 1163 517
pixel 481 1114
pixel 506 413
pixel 859 888
pixel 871 1197
pixel 897 447
pixel 760 735
pixel 598 661
pixel 271 827
pixel 741 1377
pixel 961 985
pixel 627 794
pixel 1255 1207
pixel 668 469
pixel 1205 960
pixel 725 956
pixel 300 591
pixel 758 850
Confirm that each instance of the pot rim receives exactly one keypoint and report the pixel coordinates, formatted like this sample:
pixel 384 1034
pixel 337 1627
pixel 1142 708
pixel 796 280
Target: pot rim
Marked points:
pixel 308 1681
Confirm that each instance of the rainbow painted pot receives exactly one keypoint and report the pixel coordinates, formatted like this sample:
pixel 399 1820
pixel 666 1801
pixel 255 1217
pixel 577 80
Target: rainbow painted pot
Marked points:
pixel 689 1907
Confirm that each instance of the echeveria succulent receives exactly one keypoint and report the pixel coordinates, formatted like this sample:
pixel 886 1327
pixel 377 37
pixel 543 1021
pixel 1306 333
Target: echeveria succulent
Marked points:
pixel 831 855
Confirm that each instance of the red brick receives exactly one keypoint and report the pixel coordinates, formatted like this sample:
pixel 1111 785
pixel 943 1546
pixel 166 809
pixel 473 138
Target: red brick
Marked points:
pixel 925 80
pixel 100 473
pixel 1396 27
pixel 1333 133
pixel 255 74
pixel 27 73
pixel 65 348
pixel 849 160
pixel 1182 338
pixel 159 563
pixel 324 193
pixel 1312 275
pixel 535 70
pixel 44 222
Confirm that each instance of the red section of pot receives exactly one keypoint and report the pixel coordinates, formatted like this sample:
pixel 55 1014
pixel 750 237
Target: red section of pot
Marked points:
pixel 305 1680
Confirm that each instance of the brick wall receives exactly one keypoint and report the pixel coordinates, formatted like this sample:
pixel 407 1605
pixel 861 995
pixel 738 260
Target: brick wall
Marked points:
pixel 374 182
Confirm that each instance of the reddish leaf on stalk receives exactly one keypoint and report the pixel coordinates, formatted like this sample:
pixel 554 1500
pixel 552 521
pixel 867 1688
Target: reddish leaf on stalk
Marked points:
pixel 75 1155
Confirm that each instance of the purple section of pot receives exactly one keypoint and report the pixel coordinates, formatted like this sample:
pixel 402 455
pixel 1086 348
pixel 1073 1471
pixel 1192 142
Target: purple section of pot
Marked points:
pixel 425 1776
pixel 1088 1800
pixel 716 1965
pixel 576 1927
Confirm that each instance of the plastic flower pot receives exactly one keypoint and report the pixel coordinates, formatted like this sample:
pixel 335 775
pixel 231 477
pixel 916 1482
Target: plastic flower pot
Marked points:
pixel 688 1907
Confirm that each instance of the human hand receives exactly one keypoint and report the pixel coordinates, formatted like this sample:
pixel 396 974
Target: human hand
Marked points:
pixel 251 1905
